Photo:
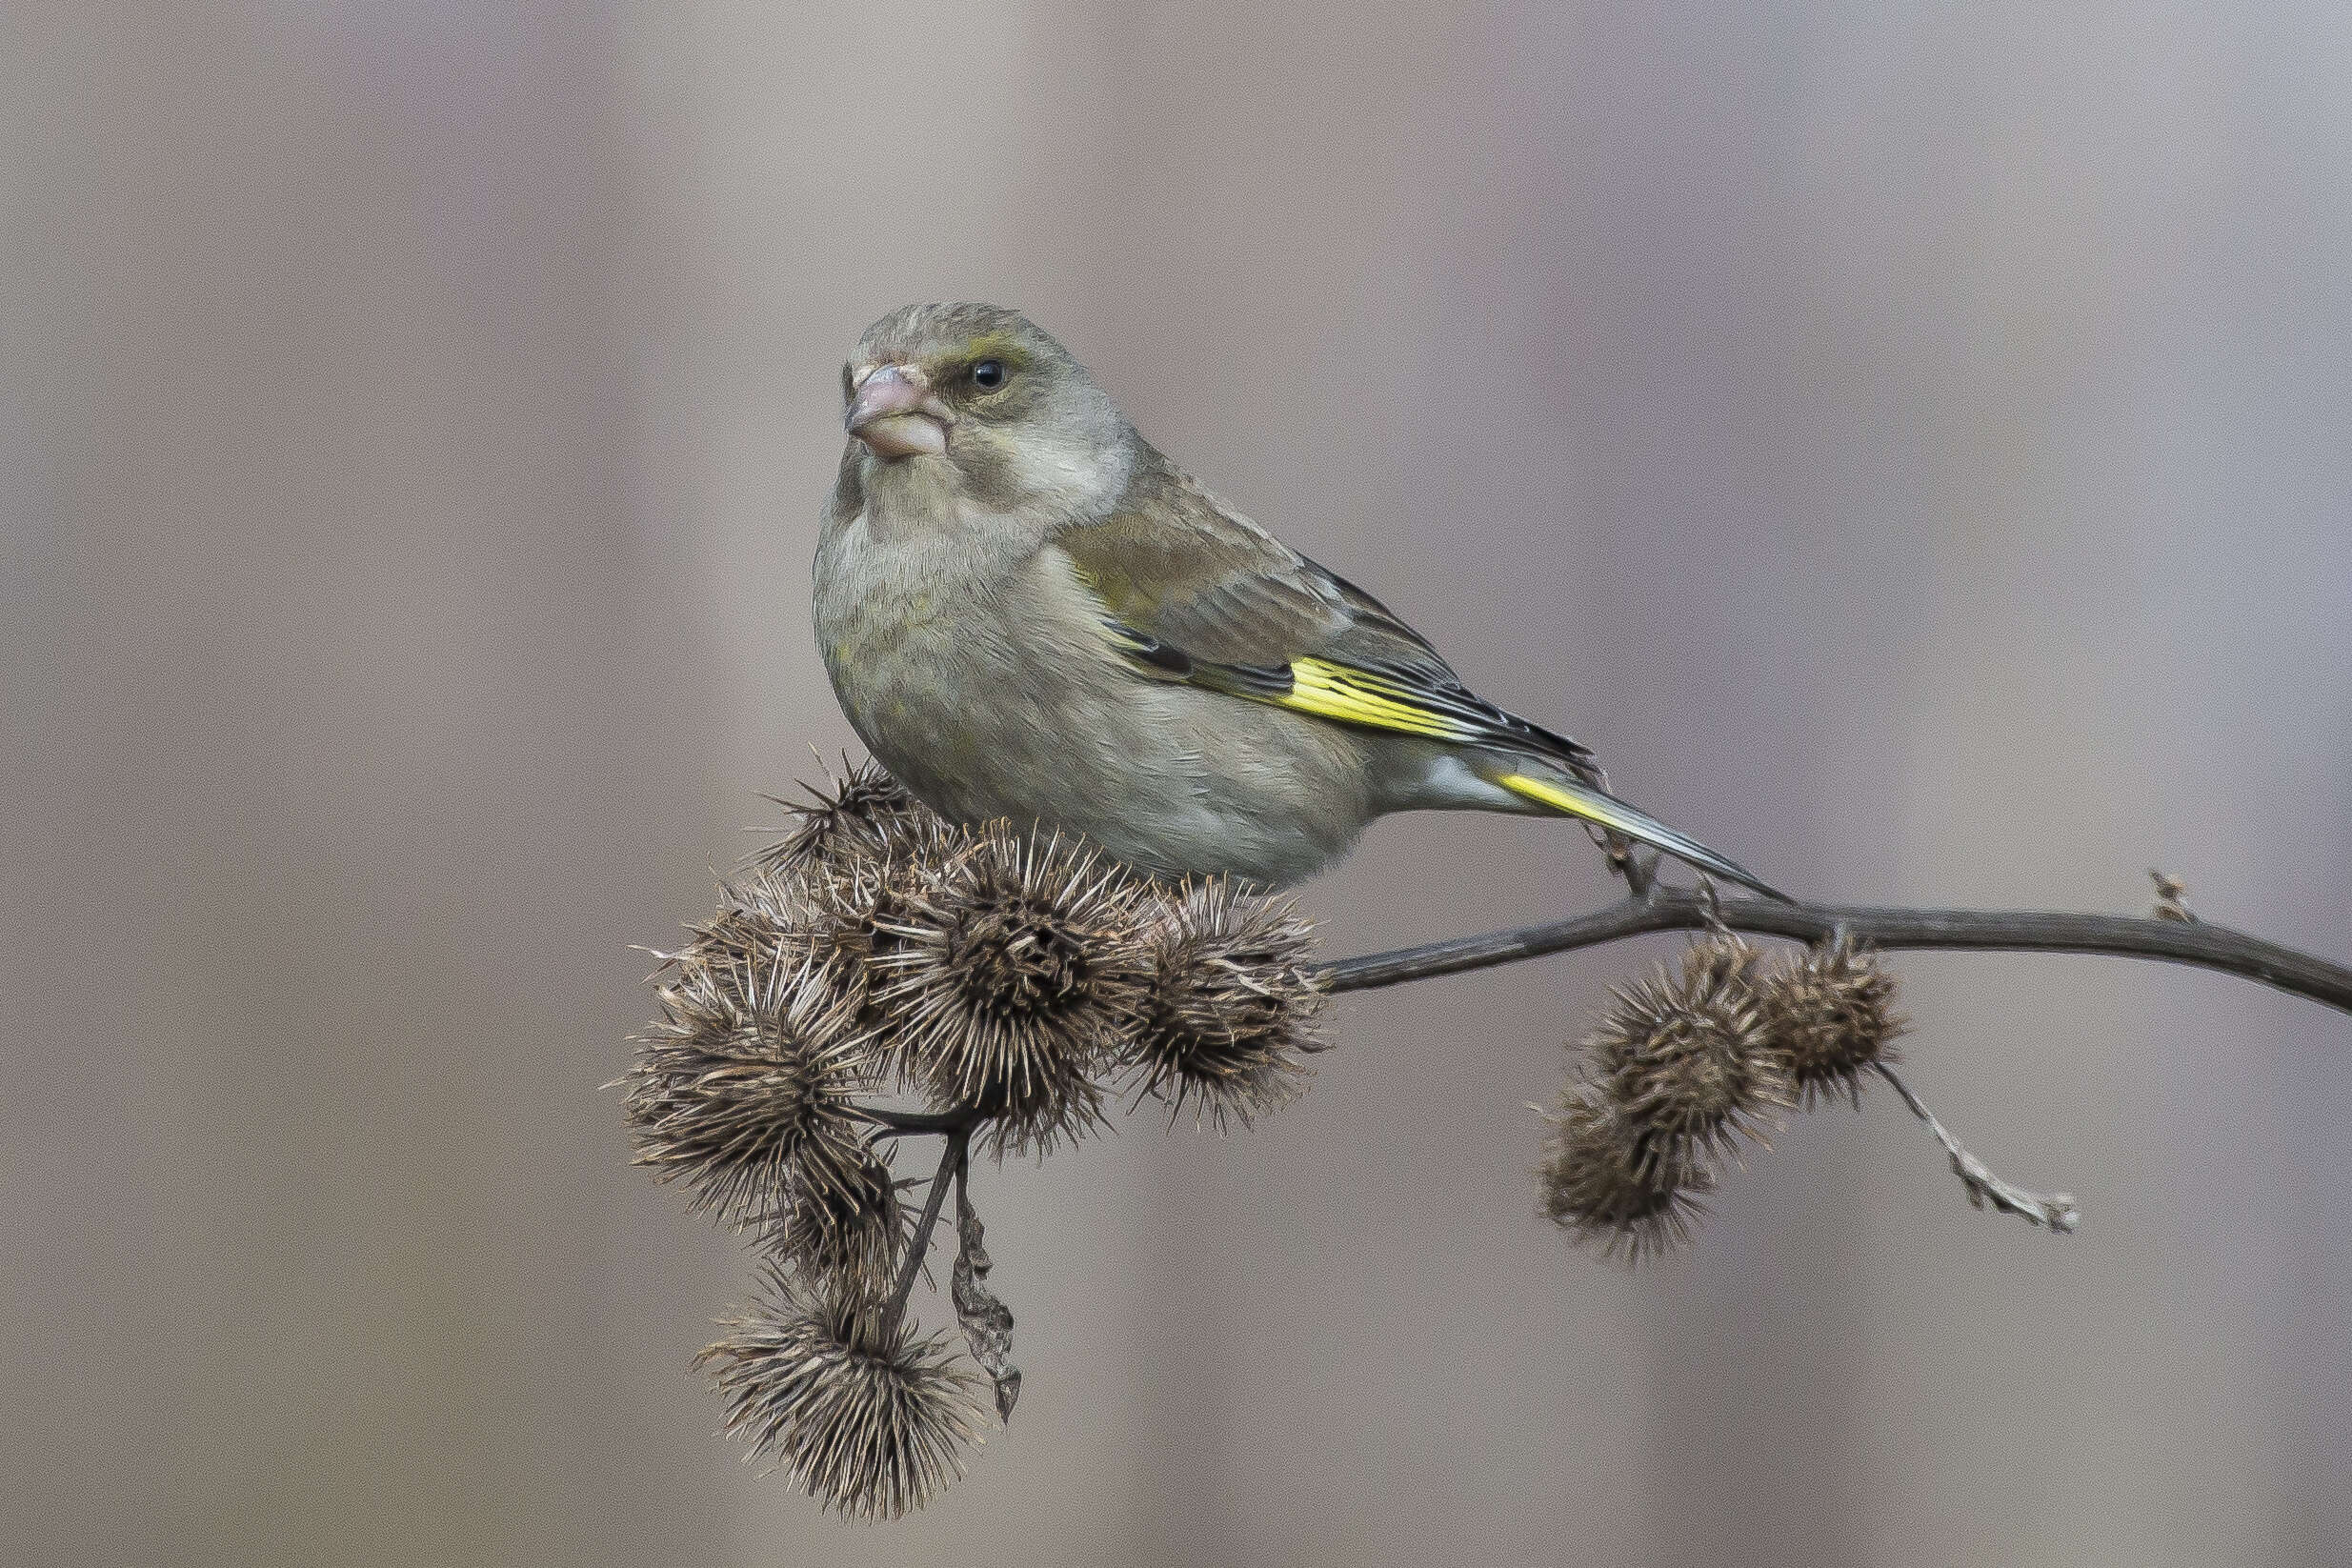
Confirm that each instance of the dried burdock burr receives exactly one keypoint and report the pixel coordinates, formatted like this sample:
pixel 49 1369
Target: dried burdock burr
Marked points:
pixel 846 1238
pixel 1012 980
pixel 863 814
pixel 748 935
pixel 745 1087
pixel 864 1415
pixel 1229 1005
pixel 1830 1013
pixel 1609 1181
pixel 1684 1056
pixel 828 889
pixel 844 920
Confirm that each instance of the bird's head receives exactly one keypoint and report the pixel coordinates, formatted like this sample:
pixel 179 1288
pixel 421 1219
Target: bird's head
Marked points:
pixel 984 392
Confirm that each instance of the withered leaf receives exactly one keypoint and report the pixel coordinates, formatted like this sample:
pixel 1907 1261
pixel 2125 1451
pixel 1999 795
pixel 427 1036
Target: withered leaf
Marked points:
pixel 988 1322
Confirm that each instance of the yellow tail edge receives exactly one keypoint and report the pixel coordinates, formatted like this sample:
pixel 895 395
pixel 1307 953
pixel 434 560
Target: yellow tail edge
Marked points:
pixel 1608 812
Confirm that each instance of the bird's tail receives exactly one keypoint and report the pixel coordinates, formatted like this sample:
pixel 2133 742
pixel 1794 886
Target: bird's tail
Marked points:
pixel 1573 797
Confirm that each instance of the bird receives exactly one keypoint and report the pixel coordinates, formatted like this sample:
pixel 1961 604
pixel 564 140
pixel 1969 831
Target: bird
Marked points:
pixel 1029 613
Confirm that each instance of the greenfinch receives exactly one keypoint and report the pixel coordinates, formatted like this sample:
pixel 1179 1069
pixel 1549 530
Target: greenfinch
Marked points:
pixel 1028 612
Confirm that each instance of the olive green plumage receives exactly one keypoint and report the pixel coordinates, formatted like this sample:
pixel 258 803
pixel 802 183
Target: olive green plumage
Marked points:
pixel 1029 612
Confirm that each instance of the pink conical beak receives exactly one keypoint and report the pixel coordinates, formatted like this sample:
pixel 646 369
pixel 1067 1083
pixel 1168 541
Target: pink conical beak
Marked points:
pixel 895 414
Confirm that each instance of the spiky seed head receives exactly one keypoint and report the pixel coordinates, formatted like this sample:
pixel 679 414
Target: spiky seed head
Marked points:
pixel 744 1087
pixel 1013 979
pixel 1831 1013
pixel 865 1418
pixel 863 814
pixel 1684 1056
pixel 843 922
pixel 845 1241
pixel 748 937
pixel 1609 1181
pixel 828 889
pixel 1228 1003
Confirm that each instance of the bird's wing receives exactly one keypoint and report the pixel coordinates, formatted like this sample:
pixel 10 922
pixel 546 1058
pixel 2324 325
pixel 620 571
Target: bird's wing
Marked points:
pixel 1192 591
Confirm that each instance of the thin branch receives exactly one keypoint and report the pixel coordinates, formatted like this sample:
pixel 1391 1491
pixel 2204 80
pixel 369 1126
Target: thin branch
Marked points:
pixel 2056 1210
pixel 2199 943
pixel 951 1160
pixel 1639 871
pixel 910 1122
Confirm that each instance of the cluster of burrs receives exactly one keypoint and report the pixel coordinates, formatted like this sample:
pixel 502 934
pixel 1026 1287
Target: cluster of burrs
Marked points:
pixel 1693 1061
pixel 879 975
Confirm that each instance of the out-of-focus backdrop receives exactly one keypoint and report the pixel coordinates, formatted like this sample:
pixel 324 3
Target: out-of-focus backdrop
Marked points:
pixel 1910 443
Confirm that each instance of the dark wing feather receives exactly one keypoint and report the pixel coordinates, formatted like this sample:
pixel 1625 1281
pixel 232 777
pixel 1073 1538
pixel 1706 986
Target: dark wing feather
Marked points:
pixel 1195 591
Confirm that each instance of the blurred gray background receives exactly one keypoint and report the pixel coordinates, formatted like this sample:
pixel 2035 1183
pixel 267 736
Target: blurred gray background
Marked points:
pixel 1910 443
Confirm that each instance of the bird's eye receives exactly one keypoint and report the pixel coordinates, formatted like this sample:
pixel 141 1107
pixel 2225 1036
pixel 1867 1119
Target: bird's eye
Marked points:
pixel 988 374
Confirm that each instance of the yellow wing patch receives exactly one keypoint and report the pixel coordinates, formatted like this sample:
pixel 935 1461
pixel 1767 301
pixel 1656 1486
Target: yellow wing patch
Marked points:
pixel 1546 792
pixel 1355 697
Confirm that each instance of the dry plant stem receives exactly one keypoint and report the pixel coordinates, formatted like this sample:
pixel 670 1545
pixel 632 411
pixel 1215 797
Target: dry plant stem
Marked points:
pixel 2197 943
pixel 951 1160
pixel 910 1123
pixel 1653 906
pixel 1639 871
pixel 2056 1210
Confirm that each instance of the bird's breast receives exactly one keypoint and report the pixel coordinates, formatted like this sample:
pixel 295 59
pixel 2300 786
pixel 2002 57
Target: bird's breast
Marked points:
pixel 883 613
pixel 929 646
pixel 993 692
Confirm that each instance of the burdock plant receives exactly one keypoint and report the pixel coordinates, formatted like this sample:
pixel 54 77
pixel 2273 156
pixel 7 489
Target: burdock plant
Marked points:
pixel 866 815
pixel 1230 1001
pixel 1609 1179
pixel 879 976
pixel 862 1413
pixel 1005 978
pixel 1830 1012
pixel 846 1240
pixel 1685 1058
pixel 745 1086
pixel 1013 981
